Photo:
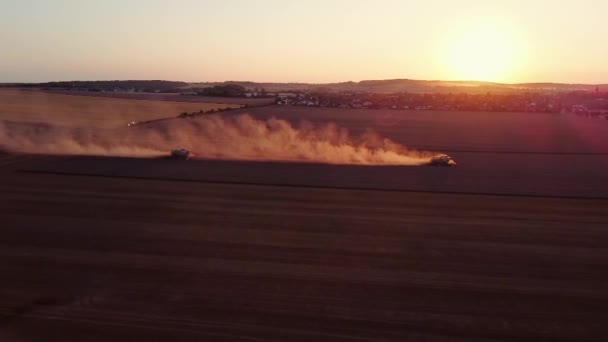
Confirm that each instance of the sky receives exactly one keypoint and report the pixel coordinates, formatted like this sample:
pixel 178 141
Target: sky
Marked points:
pixel 315 41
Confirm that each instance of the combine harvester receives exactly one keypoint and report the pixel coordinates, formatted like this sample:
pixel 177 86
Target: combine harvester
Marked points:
pixel 180 154
pixel 442 160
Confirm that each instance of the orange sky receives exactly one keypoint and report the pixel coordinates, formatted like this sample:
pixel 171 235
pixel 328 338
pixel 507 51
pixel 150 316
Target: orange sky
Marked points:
pixel 311 41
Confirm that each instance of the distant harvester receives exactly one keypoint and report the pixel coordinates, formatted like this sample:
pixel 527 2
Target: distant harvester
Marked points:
pixel 442 160
pixel 181 154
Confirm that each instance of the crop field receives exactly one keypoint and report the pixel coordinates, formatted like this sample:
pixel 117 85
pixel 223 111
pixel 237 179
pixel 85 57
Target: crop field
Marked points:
pixel 514 175
pixel 460 131
pixel 86 111
pixel 172 97
pixel 510 245
pixel 97 258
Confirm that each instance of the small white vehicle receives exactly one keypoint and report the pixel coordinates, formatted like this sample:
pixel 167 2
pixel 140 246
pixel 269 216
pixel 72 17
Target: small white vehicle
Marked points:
pixel 181 154
pixel 442 160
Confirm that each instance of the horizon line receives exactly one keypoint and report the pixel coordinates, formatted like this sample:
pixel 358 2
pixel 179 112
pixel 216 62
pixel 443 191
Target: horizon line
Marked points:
pixel 319 83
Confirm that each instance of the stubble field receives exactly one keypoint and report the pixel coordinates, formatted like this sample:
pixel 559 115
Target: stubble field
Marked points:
pixel 461 131
pixel 173 97
pixel 87 111
pixel 125 249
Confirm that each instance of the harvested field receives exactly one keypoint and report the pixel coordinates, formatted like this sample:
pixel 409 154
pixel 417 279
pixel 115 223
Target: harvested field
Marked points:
pixel 509 245
pixel 513 175
pixel 97 259
pixel 461 131
pixel 172 97
pixel 87 111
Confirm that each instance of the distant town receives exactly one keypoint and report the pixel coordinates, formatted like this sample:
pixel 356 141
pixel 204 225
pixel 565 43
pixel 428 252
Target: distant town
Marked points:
pixel 591 103
pixel 389 95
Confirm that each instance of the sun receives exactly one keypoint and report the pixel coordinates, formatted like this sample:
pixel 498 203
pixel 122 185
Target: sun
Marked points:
pixel 487 52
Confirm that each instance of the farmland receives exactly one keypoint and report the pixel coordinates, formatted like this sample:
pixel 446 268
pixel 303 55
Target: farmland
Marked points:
pixel 460 131
pixel 173 97
pixel 86 111
pixel 509 245
pixel 119 258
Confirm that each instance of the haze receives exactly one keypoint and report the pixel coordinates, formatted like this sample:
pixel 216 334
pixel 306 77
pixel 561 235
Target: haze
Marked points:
pixel 310 41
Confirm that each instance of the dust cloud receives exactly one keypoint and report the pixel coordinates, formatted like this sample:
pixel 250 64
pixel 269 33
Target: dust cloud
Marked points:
pixel 239 137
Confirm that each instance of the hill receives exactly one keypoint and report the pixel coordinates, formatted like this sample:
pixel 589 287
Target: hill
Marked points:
pixel 412 86
pixel 371 86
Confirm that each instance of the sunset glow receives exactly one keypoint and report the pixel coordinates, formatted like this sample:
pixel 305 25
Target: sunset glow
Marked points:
pixel 319 42
pixel 485 52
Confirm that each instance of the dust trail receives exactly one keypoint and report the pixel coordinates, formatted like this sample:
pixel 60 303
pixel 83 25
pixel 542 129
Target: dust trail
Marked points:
pixel 214 136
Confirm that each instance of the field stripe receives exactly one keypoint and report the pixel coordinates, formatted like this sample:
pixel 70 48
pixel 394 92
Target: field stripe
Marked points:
pixel 13 159
pixel 169 179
